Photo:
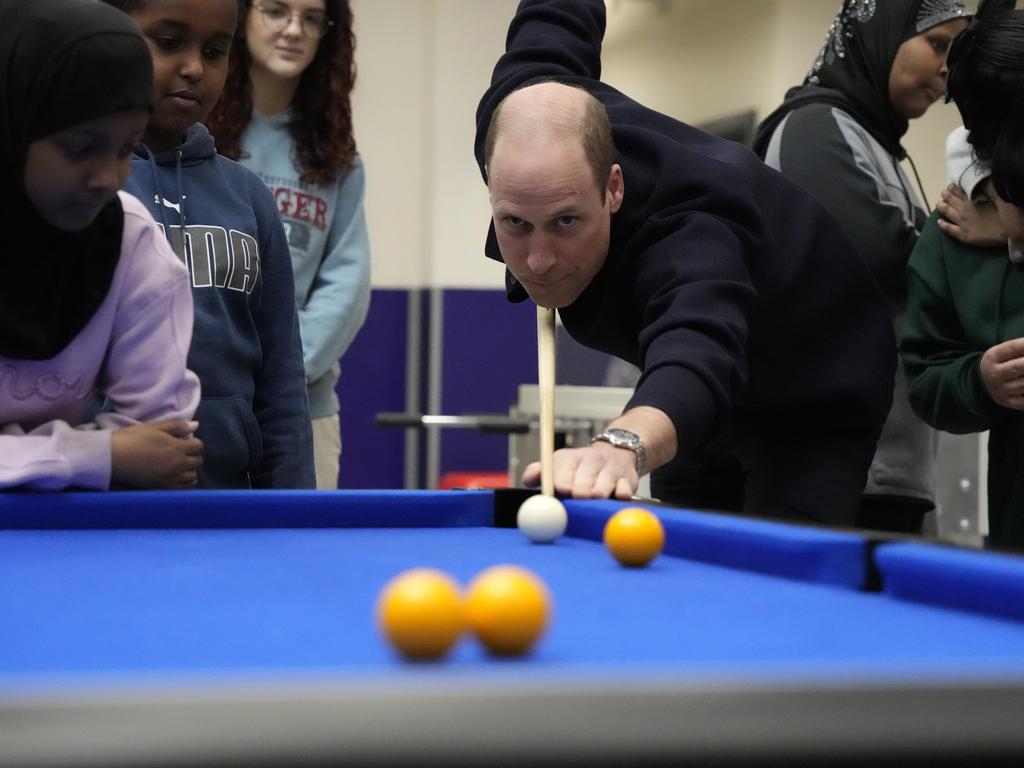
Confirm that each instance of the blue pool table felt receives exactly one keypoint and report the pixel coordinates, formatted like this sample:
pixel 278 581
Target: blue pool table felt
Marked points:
pixel 276 593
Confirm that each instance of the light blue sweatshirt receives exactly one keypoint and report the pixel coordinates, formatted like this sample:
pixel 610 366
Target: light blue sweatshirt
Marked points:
pixel 326 228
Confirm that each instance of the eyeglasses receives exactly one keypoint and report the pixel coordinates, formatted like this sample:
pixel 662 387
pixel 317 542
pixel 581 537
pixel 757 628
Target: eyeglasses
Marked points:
pixel 277 17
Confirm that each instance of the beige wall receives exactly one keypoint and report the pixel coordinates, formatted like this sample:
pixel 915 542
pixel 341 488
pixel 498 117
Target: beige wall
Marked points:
pixel 698 60
pixel 423 65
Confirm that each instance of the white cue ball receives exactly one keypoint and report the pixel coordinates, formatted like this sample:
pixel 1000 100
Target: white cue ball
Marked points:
pixel 542 518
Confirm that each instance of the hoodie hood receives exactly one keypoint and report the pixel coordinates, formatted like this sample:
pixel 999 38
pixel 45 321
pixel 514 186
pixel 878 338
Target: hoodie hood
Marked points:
pixel 804 95
pixel 963 167
pixel 197 148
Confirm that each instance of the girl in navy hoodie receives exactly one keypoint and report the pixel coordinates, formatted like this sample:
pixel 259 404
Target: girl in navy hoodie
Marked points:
pixel 223 223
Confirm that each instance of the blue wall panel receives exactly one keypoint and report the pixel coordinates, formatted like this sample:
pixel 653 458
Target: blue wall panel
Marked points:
pixel 489 349
pixel 373 380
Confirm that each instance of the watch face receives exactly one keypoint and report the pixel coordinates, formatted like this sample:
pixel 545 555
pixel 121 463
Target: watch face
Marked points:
pixel 623 436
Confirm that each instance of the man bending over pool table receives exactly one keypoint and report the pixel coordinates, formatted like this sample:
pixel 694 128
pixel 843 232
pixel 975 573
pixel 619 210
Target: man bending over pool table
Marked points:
pixel 766 351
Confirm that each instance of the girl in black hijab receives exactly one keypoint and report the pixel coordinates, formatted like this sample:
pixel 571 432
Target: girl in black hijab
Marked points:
pixel 53 79
pixel 91 298
pixel 838 135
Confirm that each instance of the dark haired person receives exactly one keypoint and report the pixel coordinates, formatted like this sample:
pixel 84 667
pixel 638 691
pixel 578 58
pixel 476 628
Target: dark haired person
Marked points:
pixel 766 351
pixel 963 341
pixel 222 222
pixel 97 305
pixel 286 114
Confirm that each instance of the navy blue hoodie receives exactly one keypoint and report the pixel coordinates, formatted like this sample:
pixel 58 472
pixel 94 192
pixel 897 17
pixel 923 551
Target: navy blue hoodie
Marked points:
pixel 732 288
pixel 253 416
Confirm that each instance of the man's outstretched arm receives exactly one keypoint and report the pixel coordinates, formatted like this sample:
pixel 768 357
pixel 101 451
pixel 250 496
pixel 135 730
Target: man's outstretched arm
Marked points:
pixel 547 39
pixel 600 470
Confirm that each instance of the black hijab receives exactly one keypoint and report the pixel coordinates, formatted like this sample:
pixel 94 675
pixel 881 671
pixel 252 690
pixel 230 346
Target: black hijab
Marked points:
pixel 63 62
pixel 852 69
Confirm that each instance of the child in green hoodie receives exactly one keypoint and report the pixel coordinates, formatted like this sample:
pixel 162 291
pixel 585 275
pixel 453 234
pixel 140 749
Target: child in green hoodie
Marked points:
pixel 962 341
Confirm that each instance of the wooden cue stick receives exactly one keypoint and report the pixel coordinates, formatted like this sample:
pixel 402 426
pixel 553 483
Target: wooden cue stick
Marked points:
pixel 546 393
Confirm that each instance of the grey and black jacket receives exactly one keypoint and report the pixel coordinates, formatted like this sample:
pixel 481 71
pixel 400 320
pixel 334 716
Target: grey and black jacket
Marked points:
pixel 835 158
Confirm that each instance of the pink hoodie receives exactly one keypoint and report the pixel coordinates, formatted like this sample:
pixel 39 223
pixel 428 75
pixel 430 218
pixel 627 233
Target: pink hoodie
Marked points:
pixel 132 352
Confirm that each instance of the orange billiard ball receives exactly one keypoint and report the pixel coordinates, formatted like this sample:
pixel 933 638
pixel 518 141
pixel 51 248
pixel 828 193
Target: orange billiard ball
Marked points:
pixel 634 536
pixel 508 608
pixel 421 613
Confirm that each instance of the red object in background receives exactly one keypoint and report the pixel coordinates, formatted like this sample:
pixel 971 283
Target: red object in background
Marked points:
pixel 473 480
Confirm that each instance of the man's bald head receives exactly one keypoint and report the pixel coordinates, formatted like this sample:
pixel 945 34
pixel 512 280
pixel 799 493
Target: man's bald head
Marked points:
pixel 550 111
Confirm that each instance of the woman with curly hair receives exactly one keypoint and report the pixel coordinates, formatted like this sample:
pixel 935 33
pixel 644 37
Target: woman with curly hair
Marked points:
pixel 286 114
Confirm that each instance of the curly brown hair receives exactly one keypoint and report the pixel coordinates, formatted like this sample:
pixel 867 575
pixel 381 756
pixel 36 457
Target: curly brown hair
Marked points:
pixel 321 112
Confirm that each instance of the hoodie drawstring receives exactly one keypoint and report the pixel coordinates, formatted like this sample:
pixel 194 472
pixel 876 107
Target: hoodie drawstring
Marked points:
pixel 1001 301
pixel 160 199
pixel 920 186
pixel 181 192
pixel 159 192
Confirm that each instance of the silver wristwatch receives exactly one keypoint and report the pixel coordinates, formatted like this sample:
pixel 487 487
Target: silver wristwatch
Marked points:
pixel 623 438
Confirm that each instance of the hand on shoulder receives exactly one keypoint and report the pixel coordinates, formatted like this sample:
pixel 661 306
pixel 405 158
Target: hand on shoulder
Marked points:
pixel 972 223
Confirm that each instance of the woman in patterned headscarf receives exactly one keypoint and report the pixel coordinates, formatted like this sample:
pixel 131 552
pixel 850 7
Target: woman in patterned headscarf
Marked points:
pixel 838 135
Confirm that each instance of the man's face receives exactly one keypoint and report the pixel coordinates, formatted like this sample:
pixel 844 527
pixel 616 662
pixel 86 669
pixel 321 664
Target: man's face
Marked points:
pixel 553 224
